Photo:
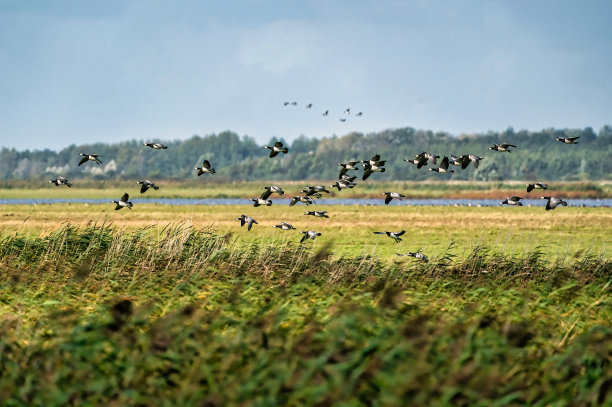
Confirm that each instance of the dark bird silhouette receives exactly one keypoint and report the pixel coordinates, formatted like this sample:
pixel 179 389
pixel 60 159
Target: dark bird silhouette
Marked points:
pixel 443 169
pixel 244 219
pixel 309 234
pixel 205 168
pixel 318 214
pixel 284 226
pixel 553 202
pixel 123 202
pixel 90 157
pixel 269 190
pixel 391 195
pixel 537 185
pixel 568 140
pixel 416 255
pixel 277 148
pixel 146 184
pixel 156 146
pixel 60 181
pixel 393 235
pixel 502 147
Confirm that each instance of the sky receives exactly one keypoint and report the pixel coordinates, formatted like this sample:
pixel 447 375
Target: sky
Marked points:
pixel 76 72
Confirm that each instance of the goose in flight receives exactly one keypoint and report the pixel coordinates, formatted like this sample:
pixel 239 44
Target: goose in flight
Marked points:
pixel 326 113
pixel 303 199
pixel 502 147
pixel 90 157
pixel 568 140
pixel 513 200
pixel 431 157
pixel 286 104
pixel 205 168
pixel 369 169
pixel 60 181
pixel 391 195
pixel 293 103
pixel 416 255
pixel 393 235
pixel 259 202
pixel 156 146
pixel 345 167
pixel 342 120
pixel 537 185
pixel 553 202
pixel 309 234
pixel 318 214
pixel 419 160
pixel 277 148
pixel 269 190
pixel 443 169
pixel 309 106
pixel 359 114
pixel 244 219
pixel 344 182
pixel 315 190
pixel 146 184
pixel 475 159
pixel 284 226
pixel 123 202
pixel 347 111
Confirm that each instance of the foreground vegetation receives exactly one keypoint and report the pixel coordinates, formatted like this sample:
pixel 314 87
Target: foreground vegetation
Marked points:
pixel 98 315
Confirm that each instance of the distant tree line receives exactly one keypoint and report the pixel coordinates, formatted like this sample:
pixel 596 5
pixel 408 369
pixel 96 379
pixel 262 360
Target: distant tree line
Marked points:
pixel 537 157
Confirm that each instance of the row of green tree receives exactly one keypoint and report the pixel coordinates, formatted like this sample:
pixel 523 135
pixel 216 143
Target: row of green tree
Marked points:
pixel 537 157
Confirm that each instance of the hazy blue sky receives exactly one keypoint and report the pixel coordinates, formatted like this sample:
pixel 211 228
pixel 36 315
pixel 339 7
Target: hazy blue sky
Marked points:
pixel 77 71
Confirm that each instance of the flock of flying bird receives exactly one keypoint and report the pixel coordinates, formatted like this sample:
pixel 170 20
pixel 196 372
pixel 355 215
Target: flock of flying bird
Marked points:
pixel 311 193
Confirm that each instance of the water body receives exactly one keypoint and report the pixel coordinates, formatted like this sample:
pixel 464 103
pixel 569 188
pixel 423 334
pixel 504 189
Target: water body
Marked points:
pixel 365 202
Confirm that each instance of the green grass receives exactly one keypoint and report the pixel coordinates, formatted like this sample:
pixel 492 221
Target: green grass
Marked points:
pixel 183 315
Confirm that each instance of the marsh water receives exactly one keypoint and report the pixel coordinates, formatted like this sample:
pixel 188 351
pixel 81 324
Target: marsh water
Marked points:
pixel 365 202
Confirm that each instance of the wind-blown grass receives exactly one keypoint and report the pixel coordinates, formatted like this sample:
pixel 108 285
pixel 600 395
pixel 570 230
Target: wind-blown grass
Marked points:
pixel 183 316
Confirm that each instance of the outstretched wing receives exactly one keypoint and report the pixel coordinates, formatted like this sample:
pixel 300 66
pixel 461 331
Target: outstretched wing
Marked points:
pixel 125 197
pixel 400 233
pixel 294 201
pixel 144 188
pixel 515 198
pixel 530 187
pixel 388 199
pixel 206 164
pixel 444 163
pixel 366 174
pixel 278 144
pixel 304 237
pixel 83 160
pixel 266 194
pixel 273 153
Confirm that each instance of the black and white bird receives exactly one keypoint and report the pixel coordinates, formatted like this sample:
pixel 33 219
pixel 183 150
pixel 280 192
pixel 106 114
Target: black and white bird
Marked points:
pixel 315 190
pixel 342 119
pixel 244 219
pixel 416 255
pixel 553 202
pixel 271 189
pixel 344 182
pixel 156 146
pixel 277 148
pixel 284 226
pixel 391 195
pixel 303 199
pixel 393 235
pixel 536 185
pixel 475 159
pixel 513 200
pixel 293 103
pixel 502 147
pixel 359 114
pixel 261 202
pixel 205 168
pixel 309 106
pixel 347 111
pixel 146 184
pixel 123 202
pixel 345 167
pixel 286 104
pixel 568 140
pixel 90 157
pixel 419 160
pixel 317 214
pixel 309 234
pixel 325 113
pixel 60 181
pixel 443 168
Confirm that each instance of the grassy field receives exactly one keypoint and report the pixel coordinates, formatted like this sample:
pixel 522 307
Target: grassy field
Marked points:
pixel 209 187
pixel 564 232
pixel 186 315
